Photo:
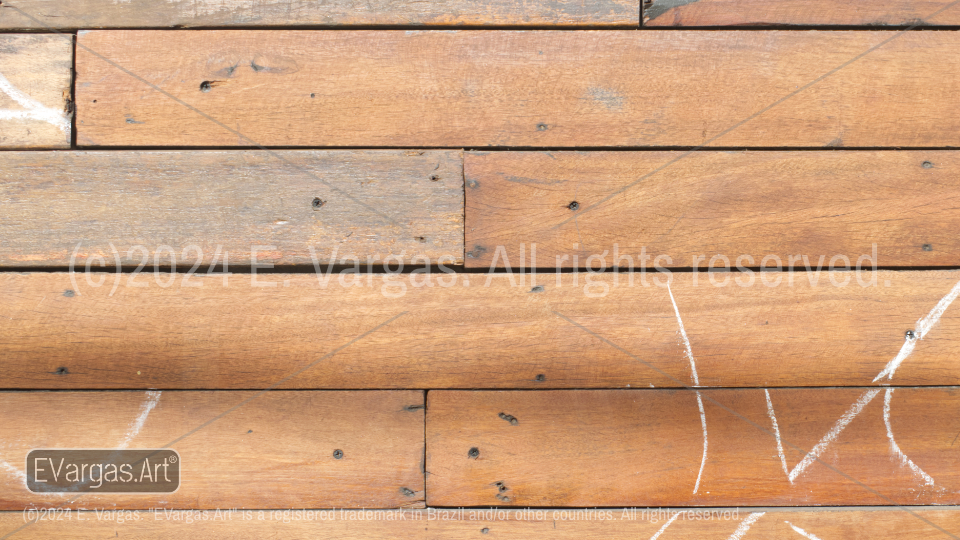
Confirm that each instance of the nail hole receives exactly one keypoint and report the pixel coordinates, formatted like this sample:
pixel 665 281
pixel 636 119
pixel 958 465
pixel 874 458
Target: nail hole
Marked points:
pixel 249 431
pixel 407 492
pixel 484 530
pixel 910 334
pixel 338 454
pixel 313 95
pixel 574 206
pixel 69 293
pixel 62 371
pixel 537 289
pixel 927 165
pixel 541 377
pixel 509 418
pixel 205 86
pixel 318 202
pixel 420 239
pixel 541 127
pixel 928 247
pixel 434 178
pixel 474 453
pixel 473 184
pixel 94 101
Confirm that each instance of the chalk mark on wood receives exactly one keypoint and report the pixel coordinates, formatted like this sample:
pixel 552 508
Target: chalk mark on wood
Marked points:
pixel 904 460
pixel 745 525
pixel 696 382
pixel 802 532
pixel 32 109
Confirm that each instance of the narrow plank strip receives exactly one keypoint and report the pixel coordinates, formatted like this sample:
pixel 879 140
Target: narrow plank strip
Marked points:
pixel 819 12
pixel 535 89
pixel 615 523
pixel 155 207
pixel 646 447
pixel 36 73
pixel 896 208
pixel 471 331
pixel 64 14
pixel 273 450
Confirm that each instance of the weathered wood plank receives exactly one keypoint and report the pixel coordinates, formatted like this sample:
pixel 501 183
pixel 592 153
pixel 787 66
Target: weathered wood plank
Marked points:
pixel 273 450
pixel 101 207
pixel 532 89
pixel 36 106
pixel 650 447
pixel 897 208
pixel 471 331
pixel 921 523
pixel 66 14
pixel 818 12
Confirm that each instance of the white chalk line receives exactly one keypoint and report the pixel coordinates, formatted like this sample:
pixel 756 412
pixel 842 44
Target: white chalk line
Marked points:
pixel 745 525
pixel 686 341
pixel 665 525
pixel 696 382
pixel 831 435
pixel 802 532
pixel 904 460
pixel 776 432
pixel 923 326
pixel 153 397
pixel 33 109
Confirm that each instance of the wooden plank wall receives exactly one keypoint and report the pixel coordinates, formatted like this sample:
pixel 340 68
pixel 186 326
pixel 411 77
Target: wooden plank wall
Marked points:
pixel 467 248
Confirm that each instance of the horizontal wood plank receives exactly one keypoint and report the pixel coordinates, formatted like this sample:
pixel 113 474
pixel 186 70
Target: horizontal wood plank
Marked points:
pixel 895 208
pixel 66 14
pixel 818 12
pixel 36 103
pixel 654 447
pixel 529 89
pixel 475 331
pixel 920 523
pixel 237 449
pixel 103 208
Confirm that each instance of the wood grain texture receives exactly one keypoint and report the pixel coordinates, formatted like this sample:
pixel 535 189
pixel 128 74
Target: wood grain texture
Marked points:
pixel 273 450
pixel 64 14
pixel 36 103
pixel 198 206
pixel 645 447
pixel 898 208
pixel 819 12
pixel 467 332
pixel 925 523
pixel 531 89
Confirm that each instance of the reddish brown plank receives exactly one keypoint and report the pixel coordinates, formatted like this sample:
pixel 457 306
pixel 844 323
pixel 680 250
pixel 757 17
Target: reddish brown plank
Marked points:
pixel 506 88
pixel 711 208
pixel 818 12
pixel 190 207
pixel 237 449
pixel 471 331
pixel 648 447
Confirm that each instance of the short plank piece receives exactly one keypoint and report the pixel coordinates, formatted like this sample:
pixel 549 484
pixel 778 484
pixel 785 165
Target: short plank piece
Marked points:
pixel 36 105
pixel 531 89
pixel 816 12
pixel 207 331
pixel 837 446
pixel 67 14
pixel 213 207
pixel 275 449
pixel 719 209
pixel 919 523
